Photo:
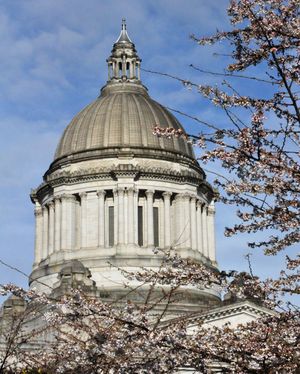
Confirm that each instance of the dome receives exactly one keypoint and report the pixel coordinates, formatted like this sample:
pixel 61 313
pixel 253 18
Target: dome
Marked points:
pixel 121 121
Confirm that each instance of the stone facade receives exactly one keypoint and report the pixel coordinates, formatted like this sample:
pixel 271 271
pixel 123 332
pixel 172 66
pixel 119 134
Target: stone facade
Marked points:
pixel 115 191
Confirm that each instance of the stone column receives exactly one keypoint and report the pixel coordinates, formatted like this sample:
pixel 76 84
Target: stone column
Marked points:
pixel 135 215
pixel 57 224
pixel 92 226
pixel 101 212
pixel 121 217
pixel 116 217
pixel 64 217
pixel 83 215
pixel 126 233
pixel 138 71
pixel 131 219
pixel 199 227
pixel 70 221
pixel 115 69
pixel 45 232
pixel 211 231
pixel 131 74
pixel 38 233
pixel 204 231
pixel 124 65
pixel 179 221
pixel 193 219
pixel 150 229
pixel 51 227
pixel 167 218
pixel 187 221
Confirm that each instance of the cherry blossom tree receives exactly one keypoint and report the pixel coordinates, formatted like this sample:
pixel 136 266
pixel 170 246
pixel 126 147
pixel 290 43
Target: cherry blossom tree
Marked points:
pixel 259 146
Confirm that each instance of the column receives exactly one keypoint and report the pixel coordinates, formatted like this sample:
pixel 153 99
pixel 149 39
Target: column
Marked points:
pixel 138 71
pixel 64 217
pixel 211 231
pixel 83 215
pixel 101 212
pixel 179 224
pixel 167 218
pixel 51 227
pixel 115 69
pixel 187 221
pixel 135 214
pixel 38 233
pixel 131 74
pixel 150 232
pixel 109 71
pixel 116 217
pixel 204 231
pixel 123 65
pixel 125 216
pixel 131 212
pixel 92 226
pixel 193 220
pixel 77 224
pixel 70 221
pixel 45 232
pixel 57 223
pixel 199 227
pixel 121 236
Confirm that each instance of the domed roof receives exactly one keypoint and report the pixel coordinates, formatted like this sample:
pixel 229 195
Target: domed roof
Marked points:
pixel 122 117
pixel 121 120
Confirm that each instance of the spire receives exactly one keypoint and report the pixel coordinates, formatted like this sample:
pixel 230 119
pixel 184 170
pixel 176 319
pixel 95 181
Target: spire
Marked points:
pixel 123 38
pixel 124 63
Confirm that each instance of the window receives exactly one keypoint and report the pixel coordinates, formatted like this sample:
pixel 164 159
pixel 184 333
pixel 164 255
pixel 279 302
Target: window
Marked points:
pixel 155 227
pixel 111 226
pixel 140 226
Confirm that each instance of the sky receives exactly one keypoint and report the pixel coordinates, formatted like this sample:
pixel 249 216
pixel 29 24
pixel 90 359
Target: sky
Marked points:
pixel 53 63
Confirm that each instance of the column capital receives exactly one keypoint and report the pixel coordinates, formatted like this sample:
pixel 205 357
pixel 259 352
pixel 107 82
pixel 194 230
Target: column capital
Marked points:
pixel 101 193
pixel 184 196
pixel 131 190
pixel 83 195
pixel 211 210
pixel 149 192
pixel 167 195
pixel 193 198
pixel 51 204
pixel 38 211
pixel 57 198
pixel 199 203
pixel 118 190
pixel 68 197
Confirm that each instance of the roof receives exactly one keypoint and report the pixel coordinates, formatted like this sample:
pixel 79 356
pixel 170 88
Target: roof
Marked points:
pixel 122 118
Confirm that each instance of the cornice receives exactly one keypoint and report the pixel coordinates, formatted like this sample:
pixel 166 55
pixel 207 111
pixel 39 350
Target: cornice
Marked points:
pixel 233 309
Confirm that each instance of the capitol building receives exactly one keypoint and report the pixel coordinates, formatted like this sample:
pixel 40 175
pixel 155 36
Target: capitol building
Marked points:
pixel 115 191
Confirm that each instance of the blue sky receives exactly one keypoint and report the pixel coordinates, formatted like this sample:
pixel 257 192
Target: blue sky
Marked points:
pixel 53 64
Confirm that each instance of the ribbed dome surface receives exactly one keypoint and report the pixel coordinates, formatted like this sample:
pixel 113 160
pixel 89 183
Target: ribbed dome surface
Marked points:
pixel 123 117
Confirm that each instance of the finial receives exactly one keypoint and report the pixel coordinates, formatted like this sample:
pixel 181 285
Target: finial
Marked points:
pixel 123 23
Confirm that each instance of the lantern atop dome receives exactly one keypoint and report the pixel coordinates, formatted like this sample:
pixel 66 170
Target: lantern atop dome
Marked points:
pixel 124 63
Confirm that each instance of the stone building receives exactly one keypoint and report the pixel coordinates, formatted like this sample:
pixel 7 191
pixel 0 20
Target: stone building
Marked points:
pixel 115 191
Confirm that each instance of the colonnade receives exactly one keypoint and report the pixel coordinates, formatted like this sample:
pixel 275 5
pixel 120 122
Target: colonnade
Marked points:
pixel 124 67
pixel 82 220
